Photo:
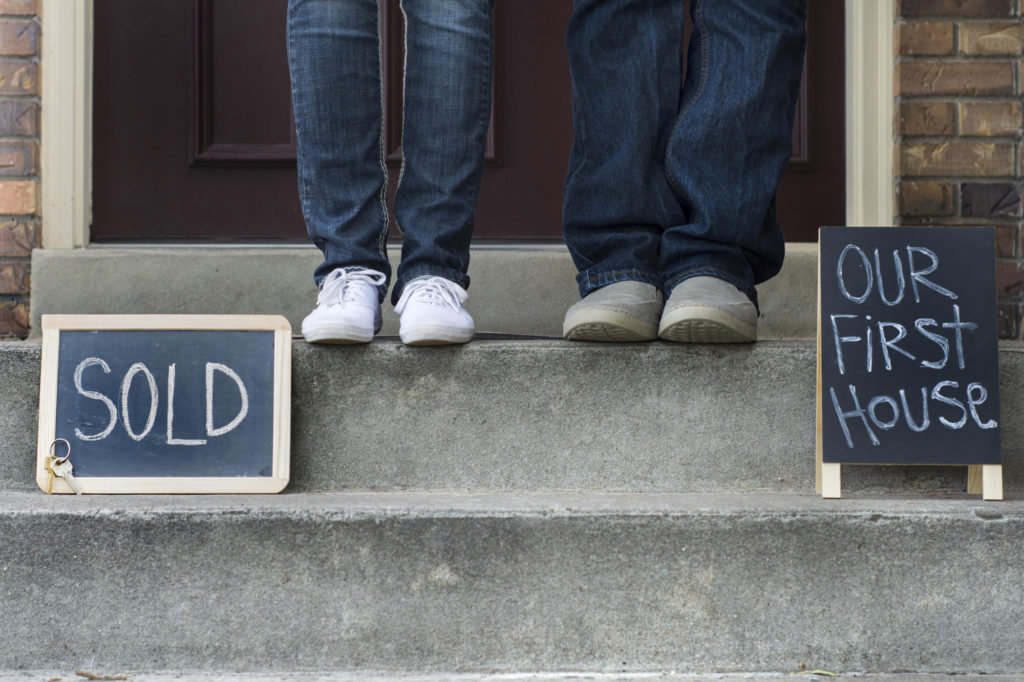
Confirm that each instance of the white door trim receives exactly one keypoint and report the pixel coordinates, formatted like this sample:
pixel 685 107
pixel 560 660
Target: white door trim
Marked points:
pixel 67 70
pixel 869 112
pixel 66 122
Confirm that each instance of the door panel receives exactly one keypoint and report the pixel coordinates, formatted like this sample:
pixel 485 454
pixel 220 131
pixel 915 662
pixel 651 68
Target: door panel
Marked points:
pixel 193 138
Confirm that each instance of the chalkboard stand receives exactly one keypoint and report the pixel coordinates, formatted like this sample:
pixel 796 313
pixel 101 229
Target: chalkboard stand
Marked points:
pixel 983 479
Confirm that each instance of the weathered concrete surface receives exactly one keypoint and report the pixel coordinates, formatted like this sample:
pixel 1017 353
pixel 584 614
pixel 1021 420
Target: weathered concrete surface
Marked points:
pixel 504 583
pixel 514 290
pixel 50 676
pixel 19 414
pixel 550 415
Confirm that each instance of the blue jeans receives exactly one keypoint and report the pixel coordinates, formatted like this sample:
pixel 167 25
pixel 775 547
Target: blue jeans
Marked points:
pixel 673 177
pixel 334 56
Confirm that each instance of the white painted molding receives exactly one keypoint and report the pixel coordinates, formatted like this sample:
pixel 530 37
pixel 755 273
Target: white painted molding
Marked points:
pixel 66 120
pixel 869 112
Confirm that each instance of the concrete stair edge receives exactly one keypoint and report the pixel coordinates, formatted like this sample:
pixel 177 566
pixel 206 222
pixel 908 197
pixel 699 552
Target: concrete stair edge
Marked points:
pixel 515 289
pixel 511 583
pixel 549 415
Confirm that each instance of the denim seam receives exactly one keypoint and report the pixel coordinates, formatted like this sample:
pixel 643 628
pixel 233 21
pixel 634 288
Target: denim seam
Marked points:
pixel 405 70
pixel 592 280
pixel 701 31
pixel 622 272
pixel 382 239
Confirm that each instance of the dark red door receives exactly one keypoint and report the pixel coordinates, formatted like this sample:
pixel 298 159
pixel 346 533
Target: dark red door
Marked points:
pixel 193 138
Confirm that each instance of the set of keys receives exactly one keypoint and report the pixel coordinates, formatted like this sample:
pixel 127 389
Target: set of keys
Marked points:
pixel 60 467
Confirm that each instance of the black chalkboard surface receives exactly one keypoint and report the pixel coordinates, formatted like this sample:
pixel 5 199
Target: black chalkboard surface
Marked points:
pixel 908 356
pixel 167 403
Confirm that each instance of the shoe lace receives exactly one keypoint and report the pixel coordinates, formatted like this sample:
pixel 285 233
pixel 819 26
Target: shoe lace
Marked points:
pixel 433 290
pixel 343 284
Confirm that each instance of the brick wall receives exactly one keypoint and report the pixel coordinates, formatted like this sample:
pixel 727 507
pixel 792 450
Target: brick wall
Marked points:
pixel 959 149
pixel 19 159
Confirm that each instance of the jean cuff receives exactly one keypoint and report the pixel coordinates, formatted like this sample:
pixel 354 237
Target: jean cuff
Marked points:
pixel 590 280
pixel 450 274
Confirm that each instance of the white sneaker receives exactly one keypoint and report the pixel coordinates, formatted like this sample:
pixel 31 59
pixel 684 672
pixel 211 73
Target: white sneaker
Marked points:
pixel 347 308
pixel 432 313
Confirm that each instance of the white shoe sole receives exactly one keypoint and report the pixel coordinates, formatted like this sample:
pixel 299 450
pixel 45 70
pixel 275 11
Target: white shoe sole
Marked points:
pixel 434 335
pixel 336 333
pixel 705 324
pixel 598 324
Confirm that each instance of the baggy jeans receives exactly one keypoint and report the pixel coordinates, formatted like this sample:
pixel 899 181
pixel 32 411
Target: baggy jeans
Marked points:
pixel 674 177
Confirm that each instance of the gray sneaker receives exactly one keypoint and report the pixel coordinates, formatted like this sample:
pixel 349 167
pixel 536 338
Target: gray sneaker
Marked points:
pixel 619 312
pixel 708 310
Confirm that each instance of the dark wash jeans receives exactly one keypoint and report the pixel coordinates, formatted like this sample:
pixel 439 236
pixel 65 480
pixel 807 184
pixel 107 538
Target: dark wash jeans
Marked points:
pixel 334 57
pixel 673 177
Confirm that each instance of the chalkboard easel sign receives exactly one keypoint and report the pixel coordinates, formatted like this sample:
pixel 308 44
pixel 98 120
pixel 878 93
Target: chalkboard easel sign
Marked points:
pixel 165 403
pixel 908 363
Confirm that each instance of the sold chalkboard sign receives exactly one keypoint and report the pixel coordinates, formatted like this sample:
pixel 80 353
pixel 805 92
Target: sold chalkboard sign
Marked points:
pixel 908 357
pixel 165 404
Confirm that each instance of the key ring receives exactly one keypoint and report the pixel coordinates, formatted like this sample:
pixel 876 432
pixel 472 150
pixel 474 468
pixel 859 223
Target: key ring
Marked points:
pixel 53 447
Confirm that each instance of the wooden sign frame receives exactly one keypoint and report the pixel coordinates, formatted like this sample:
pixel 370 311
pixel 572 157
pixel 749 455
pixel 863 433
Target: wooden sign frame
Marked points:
pixel 984 479
pixel 54 325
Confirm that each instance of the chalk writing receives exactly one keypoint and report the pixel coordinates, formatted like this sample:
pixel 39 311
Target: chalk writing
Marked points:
pixel 909 343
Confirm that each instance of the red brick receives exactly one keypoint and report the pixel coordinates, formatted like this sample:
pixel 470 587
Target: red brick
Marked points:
pixel 19 37
pixel 19 77
pixel 19 117
pixel 929 38
pixel 1006 240
pixel 957 158
pixel 1009 279
pixel 18 238
pixel 925 198
pixel 990 118
pixel 990 39
pixel 926 118
pixel 19 197
pixel 955 78
pixel 14 276
pixel 1009 315
pixel 20 7
pixel 990 200
pixel 14 318
pixel 956 8
pixel 19 158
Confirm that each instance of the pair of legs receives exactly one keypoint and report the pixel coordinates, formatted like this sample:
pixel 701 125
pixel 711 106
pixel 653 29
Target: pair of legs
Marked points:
pixel 673 177
pixel 335 60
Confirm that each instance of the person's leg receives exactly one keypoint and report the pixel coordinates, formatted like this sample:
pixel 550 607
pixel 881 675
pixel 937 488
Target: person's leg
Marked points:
pixel 334 61
pixel 625 58
pixel 447 108
pixel 732 141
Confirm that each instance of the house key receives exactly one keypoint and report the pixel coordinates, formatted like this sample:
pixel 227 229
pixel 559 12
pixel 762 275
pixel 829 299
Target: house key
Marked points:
pixel 61 466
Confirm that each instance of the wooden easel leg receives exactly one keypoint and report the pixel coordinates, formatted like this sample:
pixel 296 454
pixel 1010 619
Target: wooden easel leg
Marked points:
pixel 992 482
pixel 817 472
pixel 831 483
pixel 974 479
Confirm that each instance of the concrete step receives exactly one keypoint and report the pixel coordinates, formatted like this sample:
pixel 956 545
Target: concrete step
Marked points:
pixel 545 415
pixel 798 676
pixel 503 583
pixel 515 290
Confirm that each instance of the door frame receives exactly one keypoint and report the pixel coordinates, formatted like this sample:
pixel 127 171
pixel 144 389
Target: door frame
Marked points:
pixel 66 118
